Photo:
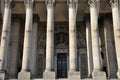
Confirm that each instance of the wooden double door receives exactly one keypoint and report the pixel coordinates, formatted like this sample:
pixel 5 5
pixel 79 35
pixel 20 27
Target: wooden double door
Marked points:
pixel 61 65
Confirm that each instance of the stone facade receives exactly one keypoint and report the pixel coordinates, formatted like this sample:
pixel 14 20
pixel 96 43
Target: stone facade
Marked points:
pixel 59 39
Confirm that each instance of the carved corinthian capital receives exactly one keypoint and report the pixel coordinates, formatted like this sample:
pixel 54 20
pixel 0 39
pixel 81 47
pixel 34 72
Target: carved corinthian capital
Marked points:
pixel 50 3
pixel 114 3
pixel 72 3
pixel 29 3
pixel 6 3
pixel 93 3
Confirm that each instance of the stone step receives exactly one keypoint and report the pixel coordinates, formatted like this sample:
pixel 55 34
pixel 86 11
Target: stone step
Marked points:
pixel 64 79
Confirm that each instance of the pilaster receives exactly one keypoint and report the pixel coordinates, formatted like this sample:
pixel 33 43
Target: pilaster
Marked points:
pixel 13 48
pixel 116 27
pixel 110 48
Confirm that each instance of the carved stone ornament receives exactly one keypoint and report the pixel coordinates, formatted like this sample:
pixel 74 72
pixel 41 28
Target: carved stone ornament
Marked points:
pixel 72 3
pixel 29 3
pixel 114 3
pixel 6 3
pixel 50 3
pixel 92 3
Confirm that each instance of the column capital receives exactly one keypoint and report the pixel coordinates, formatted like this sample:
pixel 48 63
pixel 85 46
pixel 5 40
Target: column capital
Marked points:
pixel 6 3
pixel 29 3
pixel 72 3
pixel 114 3
pixel 50 3
pixel 93 3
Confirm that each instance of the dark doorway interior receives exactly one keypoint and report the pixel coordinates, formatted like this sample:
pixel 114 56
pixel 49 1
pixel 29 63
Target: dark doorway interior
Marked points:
pixel 62 65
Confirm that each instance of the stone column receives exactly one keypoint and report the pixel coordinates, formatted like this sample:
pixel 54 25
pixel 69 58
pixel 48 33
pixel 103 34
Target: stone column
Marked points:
pixel 73 73
pixel 116 27
pixel 27 49
pixel 13 49
pixel 89 47
pixel 110 49
pixel 33 65
pixel 94 8
pixel 5 37
pixel 49 70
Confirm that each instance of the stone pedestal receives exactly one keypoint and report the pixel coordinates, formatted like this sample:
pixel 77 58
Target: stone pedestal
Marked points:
pixel 99 75
pixel 49 75
pixel 24 75
pixel 74 75
pixel 2 75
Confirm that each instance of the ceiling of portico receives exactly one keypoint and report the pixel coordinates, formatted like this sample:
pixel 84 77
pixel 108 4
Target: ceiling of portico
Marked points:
pixel 61 9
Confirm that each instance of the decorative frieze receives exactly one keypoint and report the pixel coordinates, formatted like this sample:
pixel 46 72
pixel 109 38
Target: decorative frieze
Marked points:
pixel 114 3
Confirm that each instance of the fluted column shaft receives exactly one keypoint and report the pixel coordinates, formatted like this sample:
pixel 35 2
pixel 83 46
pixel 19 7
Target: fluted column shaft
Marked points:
pixel 72 39
pixel 95 37
pixel 50 37
pixel 5 34
pixel 116 27
pixel 28 36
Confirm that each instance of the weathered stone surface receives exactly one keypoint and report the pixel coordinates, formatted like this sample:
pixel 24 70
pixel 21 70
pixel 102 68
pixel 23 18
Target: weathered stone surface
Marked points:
pixel 49 75
pixel 2 75
pixel 99 75
pixel 74 75
pixel 24 76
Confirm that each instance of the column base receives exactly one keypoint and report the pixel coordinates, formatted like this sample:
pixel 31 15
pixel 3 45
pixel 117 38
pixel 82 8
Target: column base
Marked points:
pixel 90 76
pixel 118 74
pixel 49 75
pixel 2 75
pixel 99 75
pixel 74 75
pixel 24 75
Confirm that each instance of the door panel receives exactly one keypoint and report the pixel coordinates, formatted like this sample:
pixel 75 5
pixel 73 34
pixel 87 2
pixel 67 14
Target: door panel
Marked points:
pixel 61 65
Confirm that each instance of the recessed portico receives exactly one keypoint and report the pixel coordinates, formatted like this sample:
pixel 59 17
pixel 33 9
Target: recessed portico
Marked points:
pixel 56 39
